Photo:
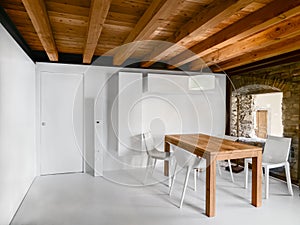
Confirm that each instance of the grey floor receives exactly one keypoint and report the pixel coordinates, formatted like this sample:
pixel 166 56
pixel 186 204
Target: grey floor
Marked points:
pixel 121 198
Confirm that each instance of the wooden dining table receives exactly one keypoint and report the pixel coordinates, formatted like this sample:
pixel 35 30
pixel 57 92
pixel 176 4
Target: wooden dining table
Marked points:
pixel 216 148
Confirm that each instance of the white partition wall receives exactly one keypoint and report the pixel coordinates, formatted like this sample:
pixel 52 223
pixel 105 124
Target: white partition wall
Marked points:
pixel 119 106
pixel 172 105
pixel 129 112
pixel 17 125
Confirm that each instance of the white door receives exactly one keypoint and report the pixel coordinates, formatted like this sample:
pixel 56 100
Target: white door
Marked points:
pixel 61 123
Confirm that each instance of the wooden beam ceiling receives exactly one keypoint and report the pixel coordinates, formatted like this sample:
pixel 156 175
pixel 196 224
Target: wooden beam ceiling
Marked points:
pixel 288 45
pixel 271 14
pixel 157 12
pixel 37 12
pixel 193 30
pixel 98 13
pixel 231 33
pixel 277 33
pixel 283 59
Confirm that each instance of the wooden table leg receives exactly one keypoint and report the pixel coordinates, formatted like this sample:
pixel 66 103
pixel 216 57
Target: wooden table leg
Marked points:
pixel 210 187
pixel 256 180
pixel 166 167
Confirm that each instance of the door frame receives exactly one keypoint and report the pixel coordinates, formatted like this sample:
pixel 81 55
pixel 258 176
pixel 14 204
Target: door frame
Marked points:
pixel 39 113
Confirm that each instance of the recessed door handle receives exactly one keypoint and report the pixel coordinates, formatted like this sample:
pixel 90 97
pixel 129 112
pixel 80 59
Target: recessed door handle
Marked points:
pixel 43 124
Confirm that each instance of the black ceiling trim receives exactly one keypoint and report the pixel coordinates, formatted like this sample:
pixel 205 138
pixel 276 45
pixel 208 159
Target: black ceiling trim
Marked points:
pixel 68 58
pixel 13 31
pixel 290 57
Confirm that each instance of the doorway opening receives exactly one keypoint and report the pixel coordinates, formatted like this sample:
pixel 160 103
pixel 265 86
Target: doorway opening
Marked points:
pixel 267 114
pixel 257 115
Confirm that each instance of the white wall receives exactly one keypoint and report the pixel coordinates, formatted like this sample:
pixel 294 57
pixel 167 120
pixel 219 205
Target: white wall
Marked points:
pixel 19 109
pixel 177 109
pixel 273 103
pixel 181 112
pixel 17 125
pixel 100 90
pixel 129 112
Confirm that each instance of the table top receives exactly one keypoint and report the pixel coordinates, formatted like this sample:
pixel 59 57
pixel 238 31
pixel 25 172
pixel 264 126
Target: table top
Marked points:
pixel 202 144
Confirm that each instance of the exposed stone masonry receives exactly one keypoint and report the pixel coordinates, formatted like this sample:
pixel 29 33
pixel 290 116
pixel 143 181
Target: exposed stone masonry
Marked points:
pixel 241 126
pixel 284 78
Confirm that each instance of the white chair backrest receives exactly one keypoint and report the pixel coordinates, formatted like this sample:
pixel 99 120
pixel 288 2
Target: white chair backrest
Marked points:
pixel 184 158
pixel 230 138
pixel 276 149
pixel 148 139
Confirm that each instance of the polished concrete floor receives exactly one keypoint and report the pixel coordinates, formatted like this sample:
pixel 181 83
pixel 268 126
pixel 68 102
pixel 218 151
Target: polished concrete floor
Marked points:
pixel 121 198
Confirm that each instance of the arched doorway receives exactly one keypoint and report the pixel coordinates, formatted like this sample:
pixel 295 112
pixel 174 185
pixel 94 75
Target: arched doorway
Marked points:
pixel 256 111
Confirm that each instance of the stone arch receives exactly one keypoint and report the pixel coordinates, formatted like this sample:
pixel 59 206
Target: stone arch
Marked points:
pixel 256 89
pixel 259 84
pixel 284 78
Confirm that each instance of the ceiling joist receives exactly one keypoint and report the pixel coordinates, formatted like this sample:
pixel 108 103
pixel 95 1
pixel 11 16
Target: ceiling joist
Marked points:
pixel 270 14
pixel 39 17
pixel 231 33
pixel 288 28
pixel 157 12
pixel 288 45
pixel 190 33
pixel 98 13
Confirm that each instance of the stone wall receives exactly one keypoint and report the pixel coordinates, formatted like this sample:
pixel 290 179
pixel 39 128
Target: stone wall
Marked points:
pixel 284 78
pixel 241 115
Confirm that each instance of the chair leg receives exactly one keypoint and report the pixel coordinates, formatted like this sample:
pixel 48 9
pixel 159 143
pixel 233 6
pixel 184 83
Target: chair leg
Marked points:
pixel 195 179
pixel 147 169
pixel 230 169
pixel 288 178
pixel 246 173
pixel 219 168
pixel 173 180
pixel 267 182
pixel 263 175
pixel 188 170
pixel 155 160
pixel 170 177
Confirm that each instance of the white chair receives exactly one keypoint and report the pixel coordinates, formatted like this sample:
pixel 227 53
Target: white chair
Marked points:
pixel 153 153
pixel 275 154
pixel 187 161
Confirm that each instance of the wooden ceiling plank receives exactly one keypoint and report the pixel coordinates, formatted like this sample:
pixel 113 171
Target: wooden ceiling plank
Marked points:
pixel 98 13
pixel 209 17
pixel 40 20
pixel 277 33
pixel 67 8
pixel 271 14
pixel 288 45
pixel 158 11
pixel 85 3
pixel 285 58
pixel 68 19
